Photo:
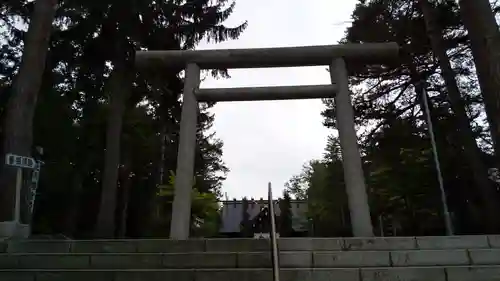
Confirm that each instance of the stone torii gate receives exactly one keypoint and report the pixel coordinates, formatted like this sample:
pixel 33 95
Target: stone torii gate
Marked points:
pixel 340 58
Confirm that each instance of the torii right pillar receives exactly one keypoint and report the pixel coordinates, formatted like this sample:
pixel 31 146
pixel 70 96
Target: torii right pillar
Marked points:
pixel 351 159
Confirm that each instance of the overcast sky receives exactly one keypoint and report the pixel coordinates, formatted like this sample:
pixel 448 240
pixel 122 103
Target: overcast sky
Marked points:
pixel 269 141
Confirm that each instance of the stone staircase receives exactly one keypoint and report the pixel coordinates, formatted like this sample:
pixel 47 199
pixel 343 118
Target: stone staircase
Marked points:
pixel 465 258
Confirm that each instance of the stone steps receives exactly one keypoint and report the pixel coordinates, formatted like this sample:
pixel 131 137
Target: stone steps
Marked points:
pixel 242 245
pixel 461 258
pixel 454 273
pixel 288 259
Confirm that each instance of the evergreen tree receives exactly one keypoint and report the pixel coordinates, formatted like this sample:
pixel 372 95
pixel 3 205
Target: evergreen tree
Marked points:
pixel 479 170
pixel 246 223
pixel 323 183
pixel 484 35
pixel 393 91
pixel 286 217
pixel 208 17
pixel 78 95
pixel 20 108
pixel 396 150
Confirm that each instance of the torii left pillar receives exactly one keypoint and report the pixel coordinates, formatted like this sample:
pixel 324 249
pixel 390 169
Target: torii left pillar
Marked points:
pixel 181 207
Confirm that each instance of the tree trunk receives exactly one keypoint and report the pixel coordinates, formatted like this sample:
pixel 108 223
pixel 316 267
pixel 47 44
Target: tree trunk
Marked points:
pixel 125 185
pixel 479 19
pixel 120 88
pixel 473 153
pixel 72 212
pixel 18 134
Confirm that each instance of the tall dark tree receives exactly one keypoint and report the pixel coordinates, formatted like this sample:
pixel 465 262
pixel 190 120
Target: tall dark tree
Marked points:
pixel 486 189
pixel 88 42
pixel 246 223
pixel 20 109
pixel 285 228
pixel 484 36
pixel 396 149
pixel 206 22
pixel 394 89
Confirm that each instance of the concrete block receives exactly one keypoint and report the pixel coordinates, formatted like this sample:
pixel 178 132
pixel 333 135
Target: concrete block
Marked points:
pixel 23 230
pixel 403 274
pixel 104 246
pixel 310 244
pixel 74 275
pixel 379 243
pixel 38 246
pixel 351 259
pixel 494 241
pixel 430 258
pixel 53 261
pixel 341 274
pixel 3 246
pixel 12 229
pixel 255 260
pixel 237 245
pixel 170 246
pixel 326 244
pixel 126 261
pixel 452 242
pixel 153 275
pixel 296 275
pixel 10 275
pixel 8 228
pixel 473 273
pixel 234 275
pixel 287 274
pixel 485 256
pixel 301 259
pixel 199 260
pixel 8 261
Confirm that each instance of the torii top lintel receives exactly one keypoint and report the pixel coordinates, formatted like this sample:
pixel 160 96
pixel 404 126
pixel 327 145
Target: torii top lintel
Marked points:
pixel 270 57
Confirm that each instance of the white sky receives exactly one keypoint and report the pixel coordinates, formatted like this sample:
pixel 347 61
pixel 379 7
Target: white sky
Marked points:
pixel 269 141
